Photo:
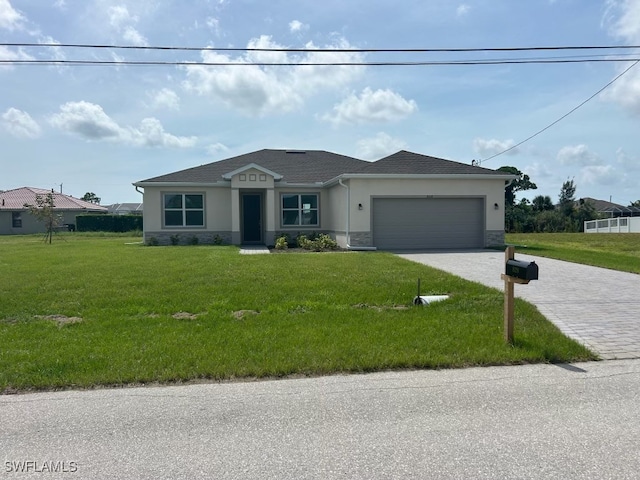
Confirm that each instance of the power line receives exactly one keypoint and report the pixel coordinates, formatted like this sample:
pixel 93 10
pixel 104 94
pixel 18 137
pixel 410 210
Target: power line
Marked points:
pixel 480 162
pixel 324 50
pixel 324 64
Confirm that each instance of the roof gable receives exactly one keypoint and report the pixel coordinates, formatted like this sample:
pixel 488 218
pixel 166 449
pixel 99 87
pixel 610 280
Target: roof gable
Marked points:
pixel 229 176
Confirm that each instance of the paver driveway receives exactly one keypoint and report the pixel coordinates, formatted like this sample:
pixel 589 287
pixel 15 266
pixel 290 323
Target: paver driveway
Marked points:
pixel 598 307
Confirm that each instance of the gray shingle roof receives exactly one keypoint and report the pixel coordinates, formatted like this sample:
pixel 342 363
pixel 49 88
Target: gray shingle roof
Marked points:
pixel 313 166
pixel 404 162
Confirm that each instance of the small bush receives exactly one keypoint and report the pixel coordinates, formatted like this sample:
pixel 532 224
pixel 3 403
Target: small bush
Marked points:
pixel 193 240
pixel 218 240
pixel 175 239
pixel 153 242
pixel 281 243
pixel 317 243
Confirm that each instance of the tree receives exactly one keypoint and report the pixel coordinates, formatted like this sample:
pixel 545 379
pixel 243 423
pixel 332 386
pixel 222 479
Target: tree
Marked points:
pixel 523 182
pixel 566 199
pixel 44 211
pixel 586 211
pixel 91 198
pixel 635 204
pixel 542 203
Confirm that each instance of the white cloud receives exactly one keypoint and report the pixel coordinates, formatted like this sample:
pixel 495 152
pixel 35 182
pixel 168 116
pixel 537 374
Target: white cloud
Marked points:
pixel 256 90
pixel 132 35
pixel 370 106
pixel 578 155
pixel 7 54
pixel 123 22
pixel 216 148
pixel 623 20
pixel 538 170
pixel 10 18
pixel 626 91
pixel 214 24
pixel 152 134
pixel 20 124
pixel 626 161
pixel 379 146
pixel 599 175
pixel 623 17
pixel 462 10
pixel 165 99
pixel 89 121
pixel 296 26
pixel 486 148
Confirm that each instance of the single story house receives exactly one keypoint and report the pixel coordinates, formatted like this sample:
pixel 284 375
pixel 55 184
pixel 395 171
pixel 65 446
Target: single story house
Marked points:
pixel 125 208
pixel 403 201
pixel 611 210
pixel 15 218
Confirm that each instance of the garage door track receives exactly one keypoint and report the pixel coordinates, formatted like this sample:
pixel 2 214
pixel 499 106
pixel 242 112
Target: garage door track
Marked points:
pixel 598 307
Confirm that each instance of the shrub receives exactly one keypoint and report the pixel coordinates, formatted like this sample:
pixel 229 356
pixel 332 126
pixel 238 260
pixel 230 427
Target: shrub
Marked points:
pixel 193 240
pixel 218 240
pixel 175 239
pixel 281 243
pixel 108 223
pixel 153 242
pixel 326 242
pixel 318 242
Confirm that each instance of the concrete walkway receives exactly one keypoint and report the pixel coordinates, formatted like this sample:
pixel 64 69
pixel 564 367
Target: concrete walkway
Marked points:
pixel 253 250
pixel 599 308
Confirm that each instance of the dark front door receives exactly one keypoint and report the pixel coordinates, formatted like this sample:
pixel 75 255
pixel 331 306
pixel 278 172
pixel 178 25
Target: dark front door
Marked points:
pixel 251 218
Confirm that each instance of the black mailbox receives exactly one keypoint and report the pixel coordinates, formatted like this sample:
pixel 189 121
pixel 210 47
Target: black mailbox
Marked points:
pixel 522 270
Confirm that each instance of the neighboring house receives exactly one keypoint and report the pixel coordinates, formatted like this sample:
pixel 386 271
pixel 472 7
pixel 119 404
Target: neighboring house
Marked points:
pixel 16 219
pixel 404 201
pixel 125 209
pixel 611 210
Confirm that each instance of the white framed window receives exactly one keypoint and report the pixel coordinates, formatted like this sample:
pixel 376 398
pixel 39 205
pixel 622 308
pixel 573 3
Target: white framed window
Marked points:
pixel 299 209
pixel 183 209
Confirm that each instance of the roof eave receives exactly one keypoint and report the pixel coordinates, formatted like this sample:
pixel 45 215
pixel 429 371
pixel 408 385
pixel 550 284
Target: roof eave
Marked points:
pixel 419 176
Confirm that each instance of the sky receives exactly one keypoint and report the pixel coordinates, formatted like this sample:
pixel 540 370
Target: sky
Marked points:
pixel 100 128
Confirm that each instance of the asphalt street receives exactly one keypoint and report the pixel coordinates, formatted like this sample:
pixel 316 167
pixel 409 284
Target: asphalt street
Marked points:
pixel 577 421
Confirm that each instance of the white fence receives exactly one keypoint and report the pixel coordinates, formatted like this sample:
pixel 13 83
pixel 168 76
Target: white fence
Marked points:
pixel 613 225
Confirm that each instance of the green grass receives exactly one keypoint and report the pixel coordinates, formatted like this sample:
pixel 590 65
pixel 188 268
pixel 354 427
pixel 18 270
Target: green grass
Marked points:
pixel 609 250
pixel 310 314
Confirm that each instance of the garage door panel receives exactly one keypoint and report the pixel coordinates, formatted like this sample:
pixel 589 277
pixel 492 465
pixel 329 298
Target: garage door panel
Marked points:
pixel 428 223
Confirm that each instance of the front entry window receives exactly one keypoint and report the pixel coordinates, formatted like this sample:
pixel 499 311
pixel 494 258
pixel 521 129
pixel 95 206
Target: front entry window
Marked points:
pixel 183 210
pixel 299 209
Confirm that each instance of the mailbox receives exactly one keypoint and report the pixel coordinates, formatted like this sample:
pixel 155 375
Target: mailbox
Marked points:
pixel 522 270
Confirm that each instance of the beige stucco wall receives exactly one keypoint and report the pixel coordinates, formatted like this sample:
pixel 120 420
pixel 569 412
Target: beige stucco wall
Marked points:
pixel 217 207
pixel 222 204
pixel 363 190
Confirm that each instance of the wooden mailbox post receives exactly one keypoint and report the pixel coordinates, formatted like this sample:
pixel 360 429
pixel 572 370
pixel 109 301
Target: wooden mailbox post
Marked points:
pixel 515 272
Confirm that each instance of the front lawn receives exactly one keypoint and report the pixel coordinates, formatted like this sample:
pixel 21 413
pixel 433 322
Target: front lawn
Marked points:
pixel 618 251
pixel 88 311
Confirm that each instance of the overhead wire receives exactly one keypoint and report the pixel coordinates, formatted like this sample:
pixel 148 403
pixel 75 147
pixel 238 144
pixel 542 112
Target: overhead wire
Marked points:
pixel 480 162
pixel 617 57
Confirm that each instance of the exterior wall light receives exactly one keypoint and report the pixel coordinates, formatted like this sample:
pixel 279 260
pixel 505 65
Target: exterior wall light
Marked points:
pixel 360 206
pixel 496 206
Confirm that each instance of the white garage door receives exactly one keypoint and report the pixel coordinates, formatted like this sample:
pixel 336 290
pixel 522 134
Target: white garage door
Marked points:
pixel 428 223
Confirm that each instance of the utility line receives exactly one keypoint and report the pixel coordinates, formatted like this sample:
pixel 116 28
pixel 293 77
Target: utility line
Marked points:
pixel 324 50
pixel 480 162
pixel 323 64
